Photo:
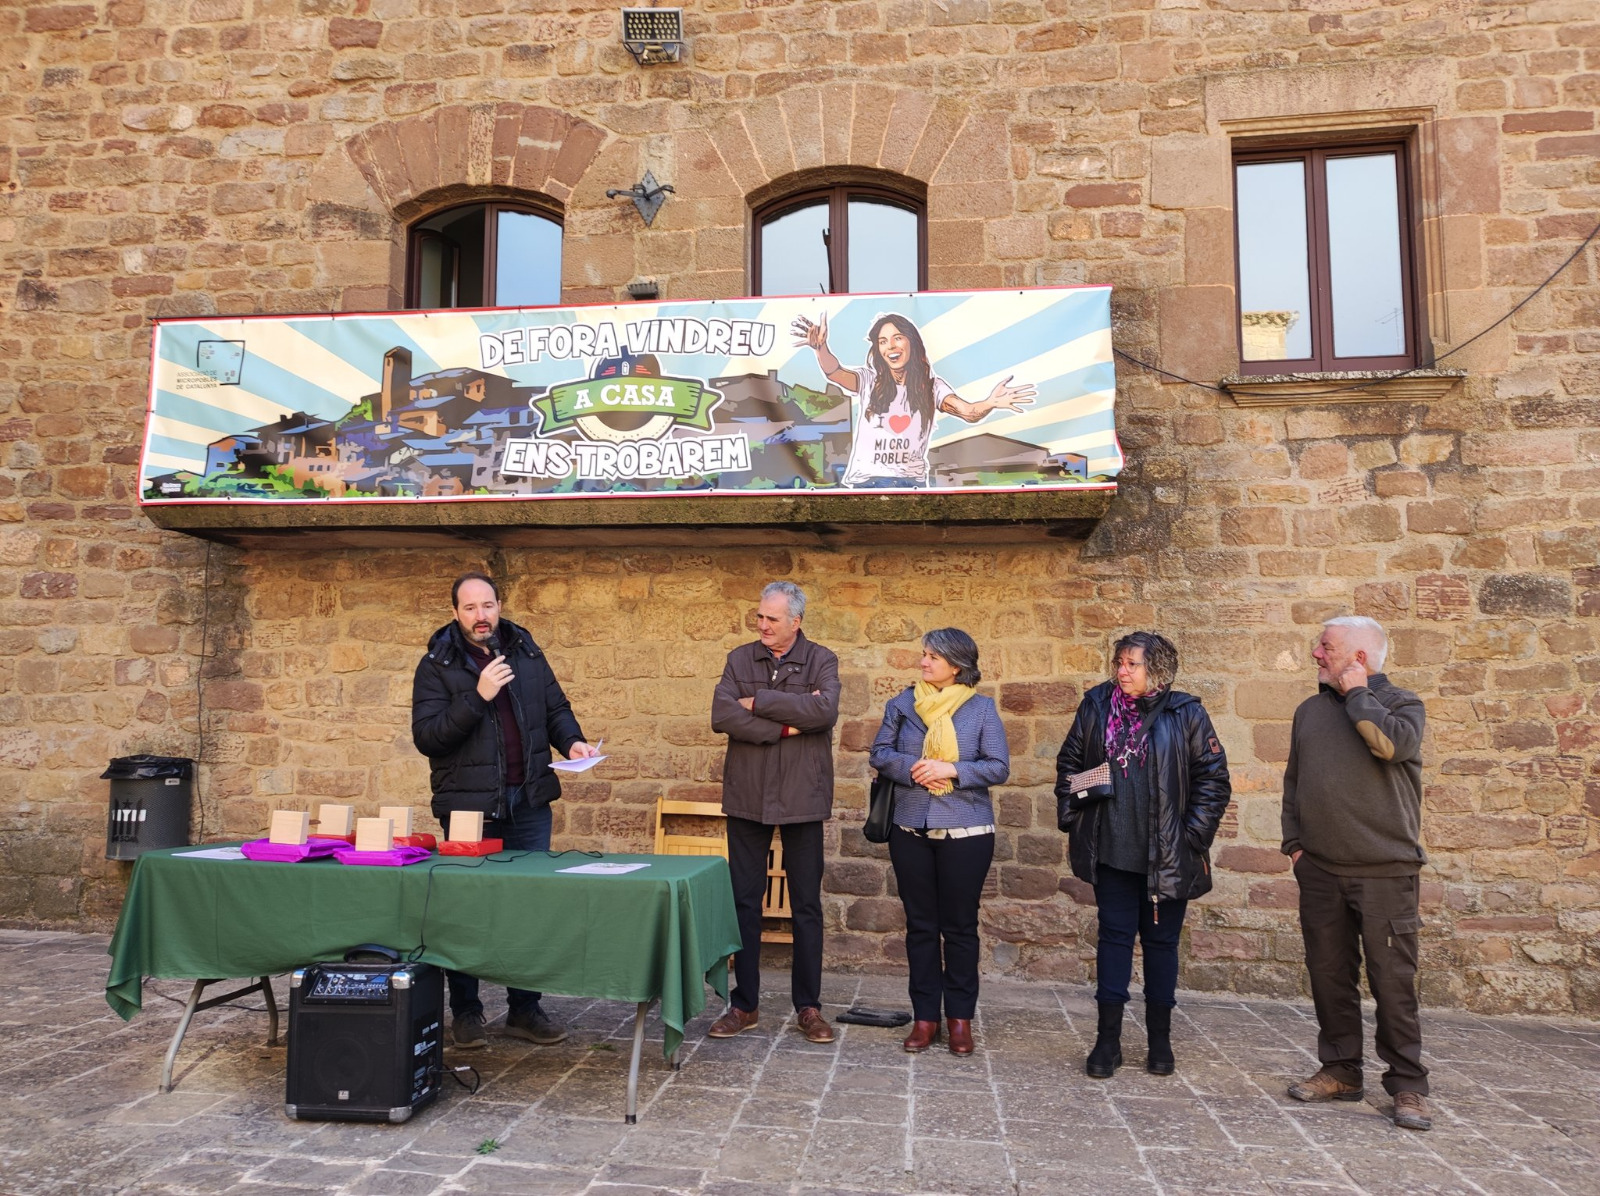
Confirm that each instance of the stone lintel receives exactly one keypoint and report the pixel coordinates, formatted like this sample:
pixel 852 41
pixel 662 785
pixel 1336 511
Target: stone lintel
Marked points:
pixel 1356 386
pixel 678 520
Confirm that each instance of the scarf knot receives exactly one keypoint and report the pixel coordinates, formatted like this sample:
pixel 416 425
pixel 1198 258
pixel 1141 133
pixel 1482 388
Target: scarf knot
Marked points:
pixel 1127 727
pixel 936 708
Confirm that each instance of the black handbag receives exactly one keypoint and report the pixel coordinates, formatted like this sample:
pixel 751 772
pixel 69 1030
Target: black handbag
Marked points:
pixel 1085 789
pixel 880 810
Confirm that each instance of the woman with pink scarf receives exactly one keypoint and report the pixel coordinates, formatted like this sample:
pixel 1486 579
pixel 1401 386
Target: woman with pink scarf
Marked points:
pixel 1140 826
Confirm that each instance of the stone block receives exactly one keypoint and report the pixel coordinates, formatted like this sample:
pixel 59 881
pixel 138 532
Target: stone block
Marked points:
pixel 1271 698
pixel 1525 594
pixel 1252 859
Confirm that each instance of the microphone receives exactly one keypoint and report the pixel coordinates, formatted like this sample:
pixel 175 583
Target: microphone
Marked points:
pixel 493 643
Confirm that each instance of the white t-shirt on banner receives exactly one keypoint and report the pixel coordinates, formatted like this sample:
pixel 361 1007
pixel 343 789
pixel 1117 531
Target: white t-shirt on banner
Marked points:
pixel 895 444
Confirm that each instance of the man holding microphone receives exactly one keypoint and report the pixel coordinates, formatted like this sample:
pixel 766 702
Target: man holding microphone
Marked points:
pixel 486 709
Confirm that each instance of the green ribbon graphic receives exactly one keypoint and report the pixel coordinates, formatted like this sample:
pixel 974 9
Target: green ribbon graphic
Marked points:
pixel 687 401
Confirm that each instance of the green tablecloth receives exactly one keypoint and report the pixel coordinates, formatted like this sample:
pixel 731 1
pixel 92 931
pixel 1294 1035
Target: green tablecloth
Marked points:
pixel 650 933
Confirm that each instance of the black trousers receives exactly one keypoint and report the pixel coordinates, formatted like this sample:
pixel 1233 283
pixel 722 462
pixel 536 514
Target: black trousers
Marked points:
pixel 524 830
pixel 940 882
pixel 1125 911
pixel 1343 918
pixel 748 843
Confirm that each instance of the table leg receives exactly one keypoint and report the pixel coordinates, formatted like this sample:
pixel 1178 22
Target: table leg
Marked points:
pixel 632 1116
pixel 272 1010
pixel 177 1038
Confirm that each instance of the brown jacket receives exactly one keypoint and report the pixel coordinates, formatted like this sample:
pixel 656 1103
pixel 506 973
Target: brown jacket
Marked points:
pixel 770 777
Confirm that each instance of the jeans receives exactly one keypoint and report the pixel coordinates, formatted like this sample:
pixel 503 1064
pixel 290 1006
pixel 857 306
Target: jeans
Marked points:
pixel 1125 910
pixel 526 830
pixel 748 843
pixel 940 881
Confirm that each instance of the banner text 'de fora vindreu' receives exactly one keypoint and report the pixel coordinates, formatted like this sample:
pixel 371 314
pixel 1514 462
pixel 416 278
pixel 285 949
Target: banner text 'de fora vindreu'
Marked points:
pixel 945 391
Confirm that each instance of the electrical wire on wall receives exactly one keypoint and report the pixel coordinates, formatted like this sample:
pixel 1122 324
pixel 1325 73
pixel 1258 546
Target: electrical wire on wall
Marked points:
pixel 1434 364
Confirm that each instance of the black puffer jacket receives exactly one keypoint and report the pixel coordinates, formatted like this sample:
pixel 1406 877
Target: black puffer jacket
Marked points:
pixel 1192 791
pixel 458 731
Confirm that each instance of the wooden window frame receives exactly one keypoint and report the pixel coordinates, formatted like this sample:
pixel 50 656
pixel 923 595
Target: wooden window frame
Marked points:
pixel 1314 157
pixel 838 198
pixel 416 235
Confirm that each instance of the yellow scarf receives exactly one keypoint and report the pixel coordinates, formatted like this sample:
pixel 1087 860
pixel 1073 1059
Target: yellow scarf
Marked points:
pixel 935 708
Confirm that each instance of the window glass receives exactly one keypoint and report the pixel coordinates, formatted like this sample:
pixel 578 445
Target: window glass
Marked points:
pixel 794 253
pixel 436 281
pixel 882 246
pixel 527 260
pixel 1274 265
pixel 483 255
pixel 1364 256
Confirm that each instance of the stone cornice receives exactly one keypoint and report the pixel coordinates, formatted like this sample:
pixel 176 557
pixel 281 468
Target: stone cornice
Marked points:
pixel 1363 386
pixel 688 520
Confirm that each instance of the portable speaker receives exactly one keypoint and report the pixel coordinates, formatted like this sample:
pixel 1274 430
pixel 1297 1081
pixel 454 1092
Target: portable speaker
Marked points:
pixel 365 1041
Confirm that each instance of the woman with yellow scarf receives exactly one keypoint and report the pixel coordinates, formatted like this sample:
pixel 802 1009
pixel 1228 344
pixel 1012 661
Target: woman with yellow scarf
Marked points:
pixel 943 746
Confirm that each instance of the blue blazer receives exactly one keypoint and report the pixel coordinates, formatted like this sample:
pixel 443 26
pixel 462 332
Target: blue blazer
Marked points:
pixel 985 761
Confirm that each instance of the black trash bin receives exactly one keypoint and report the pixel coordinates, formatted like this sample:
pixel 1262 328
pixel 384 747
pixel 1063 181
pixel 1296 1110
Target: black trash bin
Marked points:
pixel 150 798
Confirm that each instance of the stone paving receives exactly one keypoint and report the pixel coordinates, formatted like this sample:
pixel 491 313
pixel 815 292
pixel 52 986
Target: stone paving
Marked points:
pixel 1517 1105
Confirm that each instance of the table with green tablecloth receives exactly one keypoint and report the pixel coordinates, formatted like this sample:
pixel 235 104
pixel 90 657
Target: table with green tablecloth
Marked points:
pixel 517 919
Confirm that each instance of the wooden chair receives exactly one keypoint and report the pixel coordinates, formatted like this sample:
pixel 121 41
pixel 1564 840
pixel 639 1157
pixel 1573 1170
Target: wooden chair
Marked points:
pixel 774 906
pixel 682 844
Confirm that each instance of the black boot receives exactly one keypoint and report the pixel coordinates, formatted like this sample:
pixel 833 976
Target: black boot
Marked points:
pixel 1107 1054
pixel 1158 1024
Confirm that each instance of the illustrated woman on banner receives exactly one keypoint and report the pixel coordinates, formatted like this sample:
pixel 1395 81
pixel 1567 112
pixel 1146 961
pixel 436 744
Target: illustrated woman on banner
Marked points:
pixel 897 396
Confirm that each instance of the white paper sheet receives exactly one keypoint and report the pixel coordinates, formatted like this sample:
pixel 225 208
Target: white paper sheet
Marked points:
pixel 211 853
pixel 603 868
pixel 583 765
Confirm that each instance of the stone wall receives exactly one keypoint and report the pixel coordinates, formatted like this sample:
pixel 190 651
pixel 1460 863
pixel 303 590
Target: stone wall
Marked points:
pixel 176 157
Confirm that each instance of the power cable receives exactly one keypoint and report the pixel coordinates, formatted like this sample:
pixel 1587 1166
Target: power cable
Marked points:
pixel 1527 299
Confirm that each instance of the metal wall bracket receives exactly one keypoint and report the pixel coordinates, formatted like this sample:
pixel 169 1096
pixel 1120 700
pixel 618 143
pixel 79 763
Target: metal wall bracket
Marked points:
pixel 647 195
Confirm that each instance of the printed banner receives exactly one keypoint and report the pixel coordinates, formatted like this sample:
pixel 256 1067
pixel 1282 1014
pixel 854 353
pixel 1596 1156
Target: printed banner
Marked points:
pixel 945 391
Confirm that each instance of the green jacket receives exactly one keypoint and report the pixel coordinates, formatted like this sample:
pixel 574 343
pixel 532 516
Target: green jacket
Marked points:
pixel 1352 791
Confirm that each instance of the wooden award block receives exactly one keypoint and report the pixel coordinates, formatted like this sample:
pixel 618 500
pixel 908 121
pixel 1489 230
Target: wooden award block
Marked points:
pixel 289 826
pixel 374 834
pixel 466 826
pixel 400 816
pixel 335 819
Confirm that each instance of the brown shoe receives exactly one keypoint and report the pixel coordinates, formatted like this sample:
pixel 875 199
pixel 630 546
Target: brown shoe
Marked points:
pixel 813 1027
pixel 923 1035
pixel 1411 1111
pixel 1322 1086
pixel 735 1021
pixel 960 1035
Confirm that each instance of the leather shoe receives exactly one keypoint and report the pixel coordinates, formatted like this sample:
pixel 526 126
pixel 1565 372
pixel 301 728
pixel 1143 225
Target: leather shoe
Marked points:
pixel 1322 1086
pixel 735 1021
pixel 813 1026
pixel 923 1035
pixel 960 1035
pixel 1411 1111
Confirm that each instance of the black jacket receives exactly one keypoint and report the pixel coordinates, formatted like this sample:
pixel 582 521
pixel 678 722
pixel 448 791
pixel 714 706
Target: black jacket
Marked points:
pixel 459 732
pixel 1192 791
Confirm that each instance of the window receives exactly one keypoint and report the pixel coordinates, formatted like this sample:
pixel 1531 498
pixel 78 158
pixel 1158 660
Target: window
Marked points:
pixel 485 255
pixel 1325 275
pixel 845 238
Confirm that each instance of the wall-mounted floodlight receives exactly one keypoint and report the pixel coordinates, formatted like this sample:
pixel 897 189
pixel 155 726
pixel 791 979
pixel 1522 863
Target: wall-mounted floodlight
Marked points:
pixel 653 35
